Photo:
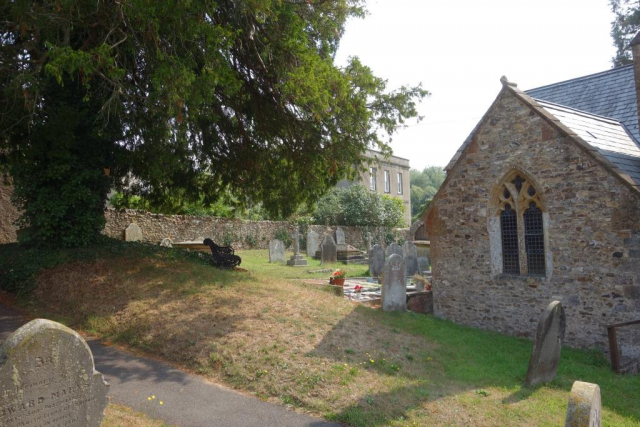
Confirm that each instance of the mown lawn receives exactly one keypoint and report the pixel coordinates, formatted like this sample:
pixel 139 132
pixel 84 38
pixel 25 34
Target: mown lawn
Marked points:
pixel 265 332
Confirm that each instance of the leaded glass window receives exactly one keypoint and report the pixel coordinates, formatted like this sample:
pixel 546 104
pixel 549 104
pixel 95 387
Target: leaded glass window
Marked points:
pixel 510 253
pixel 534 239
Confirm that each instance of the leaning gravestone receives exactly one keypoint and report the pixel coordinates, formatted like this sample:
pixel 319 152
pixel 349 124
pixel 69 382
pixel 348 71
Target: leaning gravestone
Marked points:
pixel 133 233
pixel 47 378
pixel 410 258
pixel 394 285
pixel 423 265
pixel 585 407
pixel 394 248
pixel 276 251
pixel 545 356
pixel 376 261
pixel 340 239
pixel 329 250
pixel 313 243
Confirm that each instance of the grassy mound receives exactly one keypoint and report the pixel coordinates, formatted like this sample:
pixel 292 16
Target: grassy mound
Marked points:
pixel 266 332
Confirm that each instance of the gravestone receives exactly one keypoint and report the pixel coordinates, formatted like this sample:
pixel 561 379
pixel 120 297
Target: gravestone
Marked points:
pixel 313 243
pixel 376 261
pixel 394 285
pixel 410 258
pixel 394 248
pixel 133 233
pixel 423 265
pixel 340 239
pixel 47 378
pixel 276 251
pixel 545 356
pixel 296 260
pixel 329 250
pixel 367 239
pixel 585 407
pixel 166 243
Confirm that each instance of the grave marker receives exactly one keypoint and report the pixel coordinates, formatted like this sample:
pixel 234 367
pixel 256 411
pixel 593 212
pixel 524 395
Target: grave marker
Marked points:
pixel 585 407
pixel 410 258
pixel 166 243
pixel 545 356
pixel 340 239
pixel 376 261
pixel 394 248
pixel 423 265
pixel 313 243
pixel 48 378
pixel 296 259
pixel 367 239
pixel 394 285
pixel 133 233
pixel 329 250
pixel 276 251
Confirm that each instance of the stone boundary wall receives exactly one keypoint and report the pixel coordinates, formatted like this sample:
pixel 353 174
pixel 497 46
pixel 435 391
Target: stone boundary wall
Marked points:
pixel 241 234
pixel 8 215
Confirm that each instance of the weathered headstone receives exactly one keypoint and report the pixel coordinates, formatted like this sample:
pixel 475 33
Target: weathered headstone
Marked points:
pixel 133 233
pixel 367 240
pixel 276 251
pixel 394 248
pixel 329 250
pixel 296 260
pixel 423 265
pixel 313 243
pixel 340 239
pixel 166 243
pixel 394 285
pixel 376 261
pixel 545 356
pixel 585 406
pixel 410 258
pixel 47 378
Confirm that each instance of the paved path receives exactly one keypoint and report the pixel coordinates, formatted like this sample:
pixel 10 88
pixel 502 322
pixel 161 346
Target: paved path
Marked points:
pixel 189 401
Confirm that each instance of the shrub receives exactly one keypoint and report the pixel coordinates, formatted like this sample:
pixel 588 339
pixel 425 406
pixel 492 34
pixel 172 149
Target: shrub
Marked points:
pixel 283 235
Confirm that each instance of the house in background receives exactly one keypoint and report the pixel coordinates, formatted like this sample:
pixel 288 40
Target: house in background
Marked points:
pixel 542 203
pixel 388 176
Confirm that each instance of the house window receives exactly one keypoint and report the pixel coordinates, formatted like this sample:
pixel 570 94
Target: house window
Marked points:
pixel 521 228
pixel 399 183
pixel 387 182
pixel 372 178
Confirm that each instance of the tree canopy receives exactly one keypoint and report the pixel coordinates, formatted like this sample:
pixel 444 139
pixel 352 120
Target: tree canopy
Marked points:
pixel 205 97
pixel 624 27
pixel 424 185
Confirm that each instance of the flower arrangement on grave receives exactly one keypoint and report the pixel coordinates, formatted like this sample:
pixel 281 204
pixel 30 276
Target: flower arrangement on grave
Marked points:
pixel 338 277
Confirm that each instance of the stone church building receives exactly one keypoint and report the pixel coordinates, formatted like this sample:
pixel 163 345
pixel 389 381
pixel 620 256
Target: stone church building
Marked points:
pixel 542 202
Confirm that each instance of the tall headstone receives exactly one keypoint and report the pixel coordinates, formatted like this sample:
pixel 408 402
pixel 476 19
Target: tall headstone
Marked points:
pixel 48 378
pixel 276 251
pixel 585 406
pixel 340 239
pixel 313 243
pixel 329 250
pixel 410 258
pixel 423 265
pixel 394 248
pixel 367 239
pixel 296 260
pixel 394 285
pixel 545 356
pixel 133 233
pixel 376 261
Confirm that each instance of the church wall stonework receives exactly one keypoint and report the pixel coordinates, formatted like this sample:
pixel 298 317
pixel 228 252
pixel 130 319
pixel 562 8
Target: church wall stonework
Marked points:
pixel 593 239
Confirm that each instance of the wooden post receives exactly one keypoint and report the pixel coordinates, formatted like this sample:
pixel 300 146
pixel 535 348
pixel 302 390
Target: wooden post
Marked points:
pixel 613 349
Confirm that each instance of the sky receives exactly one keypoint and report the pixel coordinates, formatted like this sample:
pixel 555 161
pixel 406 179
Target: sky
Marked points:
pixel 459 50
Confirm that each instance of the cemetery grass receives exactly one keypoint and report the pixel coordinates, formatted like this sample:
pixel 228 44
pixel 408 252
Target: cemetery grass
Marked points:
pixel 122 416
pixel 267 334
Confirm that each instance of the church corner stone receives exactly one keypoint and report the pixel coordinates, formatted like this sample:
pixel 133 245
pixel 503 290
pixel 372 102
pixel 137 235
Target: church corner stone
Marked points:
pixel 48 377
pixel 543 364
pixel 585 406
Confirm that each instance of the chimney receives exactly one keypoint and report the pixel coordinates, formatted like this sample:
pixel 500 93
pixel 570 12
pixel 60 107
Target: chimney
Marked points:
pixel 635 50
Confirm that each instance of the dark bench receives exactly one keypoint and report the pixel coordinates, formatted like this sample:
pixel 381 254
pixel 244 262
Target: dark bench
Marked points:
pixel 222 256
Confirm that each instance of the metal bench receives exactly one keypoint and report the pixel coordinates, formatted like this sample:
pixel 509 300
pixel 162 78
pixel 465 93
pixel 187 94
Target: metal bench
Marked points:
pixel 222 256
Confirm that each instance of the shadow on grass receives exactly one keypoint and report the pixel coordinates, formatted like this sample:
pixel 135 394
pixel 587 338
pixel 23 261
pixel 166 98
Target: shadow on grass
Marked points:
pixel 470 359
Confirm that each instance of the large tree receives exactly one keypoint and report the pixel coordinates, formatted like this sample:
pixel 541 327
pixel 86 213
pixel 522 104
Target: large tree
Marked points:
pixel 625 26
pixel 198 96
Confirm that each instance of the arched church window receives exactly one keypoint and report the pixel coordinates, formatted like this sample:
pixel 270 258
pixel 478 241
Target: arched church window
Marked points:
pixel 521 227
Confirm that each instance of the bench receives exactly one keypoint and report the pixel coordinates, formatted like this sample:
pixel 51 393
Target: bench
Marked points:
pixel 222 256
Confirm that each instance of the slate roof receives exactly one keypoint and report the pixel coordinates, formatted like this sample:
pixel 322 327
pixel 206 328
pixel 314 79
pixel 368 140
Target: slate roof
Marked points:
pixel 607 135
pixel 611 93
